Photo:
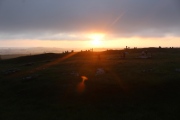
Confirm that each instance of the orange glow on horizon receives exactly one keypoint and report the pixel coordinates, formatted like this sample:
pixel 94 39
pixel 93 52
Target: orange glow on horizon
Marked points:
pixel 108 42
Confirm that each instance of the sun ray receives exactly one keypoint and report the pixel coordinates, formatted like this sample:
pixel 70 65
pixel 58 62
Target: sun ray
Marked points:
pixel 41 67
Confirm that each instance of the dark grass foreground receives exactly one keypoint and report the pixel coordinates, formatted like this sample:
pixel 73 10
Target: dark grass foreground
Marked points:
pixel 50 86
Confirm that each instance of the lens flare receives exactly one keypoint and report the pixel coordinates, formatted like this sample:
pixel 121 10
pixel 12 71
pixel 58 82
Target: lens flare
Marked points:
pixel 81 85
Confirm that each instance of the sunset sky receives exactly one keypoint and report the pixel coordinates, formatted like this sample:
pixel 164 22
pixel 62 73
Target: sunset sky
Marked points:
pixel 89 23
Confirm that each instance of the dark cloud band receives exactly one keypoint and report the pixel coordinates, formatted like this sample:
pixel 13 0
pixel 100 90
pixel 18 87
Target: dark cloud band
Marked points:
pixel 31 19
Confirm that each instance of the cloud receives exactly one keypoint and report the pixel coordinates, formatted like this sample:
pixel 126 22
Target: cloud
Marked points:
pixel 59 19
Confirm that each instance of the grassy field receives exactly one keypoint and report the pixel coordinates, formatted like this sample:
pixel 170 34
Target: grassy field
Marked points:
pixel 11 56
pixel 68 86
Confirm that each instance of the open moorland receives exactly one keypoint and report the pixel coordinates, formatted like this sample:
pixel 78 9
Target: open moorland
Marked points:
pixel 109 85
pixel 3 57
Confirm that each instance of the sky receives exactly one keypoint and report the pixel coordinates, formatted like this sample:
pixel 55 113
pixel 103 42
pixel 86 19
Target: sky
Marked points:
pixel 89 23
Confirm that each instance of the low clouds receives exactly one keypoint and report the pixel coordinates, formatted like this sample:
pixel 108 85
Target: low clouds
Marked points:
pixel 68 20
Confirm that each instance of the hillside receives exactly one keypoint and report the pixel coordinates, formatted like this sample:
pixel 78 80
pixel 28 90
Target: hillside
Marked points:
pixel 92 85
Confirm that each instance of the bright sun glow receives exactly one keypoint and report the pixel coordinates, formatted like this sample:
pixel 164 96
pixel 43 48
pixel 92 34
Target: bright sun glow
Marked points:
pixel 96 39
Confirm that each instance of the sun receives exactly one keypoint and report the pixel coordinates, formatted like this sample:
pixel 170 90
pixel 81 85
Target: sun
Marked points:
pixel 96 39
pixel 96 42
